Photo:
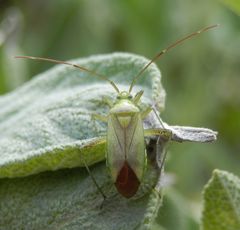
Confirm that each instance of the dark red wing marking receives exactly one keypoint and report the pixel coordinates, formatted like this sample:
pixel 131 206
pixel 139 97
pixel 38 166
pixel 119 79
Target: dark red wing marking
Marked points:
pixel 127 183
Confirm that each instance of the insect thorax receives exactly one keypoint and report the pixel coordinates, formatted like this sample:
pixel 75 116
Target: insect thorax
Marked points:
pixel 124 110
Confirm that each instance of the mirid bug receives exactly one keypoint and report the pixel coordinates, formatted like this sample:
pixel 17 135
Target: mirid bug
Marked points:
pixel 126 152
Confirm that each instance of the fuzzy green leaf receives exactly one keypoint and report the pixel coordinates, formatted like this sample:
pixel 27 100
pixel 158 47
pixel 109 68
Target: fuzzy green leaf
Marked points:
pixel 176 207
pixel 222 202
pixel 68 199
pixel 45 126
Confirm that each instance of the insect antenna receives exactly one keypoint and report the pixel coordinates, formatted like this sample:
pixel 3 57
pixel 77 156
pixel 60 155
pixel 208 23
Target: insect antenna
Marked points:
pixel 93 73
pixel 167 49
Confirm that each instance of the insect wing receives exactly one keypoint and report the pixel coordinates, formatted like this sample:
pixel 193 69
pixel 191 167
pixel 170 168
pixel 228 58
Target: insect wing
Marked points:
pixel 126 153
pixel 136 146
pixel 115 147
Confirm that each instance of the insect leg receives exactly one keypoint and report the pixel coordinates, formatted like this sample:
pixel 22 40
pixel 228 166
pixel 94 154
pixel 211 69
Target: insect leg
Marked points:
pixel 157 115
pixel 94 180
pixel 137 97
pixel 163 137
pixel 108 101
pixel 99 117
pixel 161 152
pixel 150 109
pixel 165 134
pixel 146 112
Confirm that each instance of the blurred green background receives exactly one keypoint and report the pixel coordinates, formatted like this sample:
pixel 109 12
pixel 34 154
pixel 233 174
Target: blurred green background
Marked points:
pixel 201 77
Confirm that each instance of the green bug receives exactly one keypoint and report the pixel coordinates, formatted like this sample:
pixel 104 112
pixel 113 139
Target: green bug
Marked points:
pixel 126 152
